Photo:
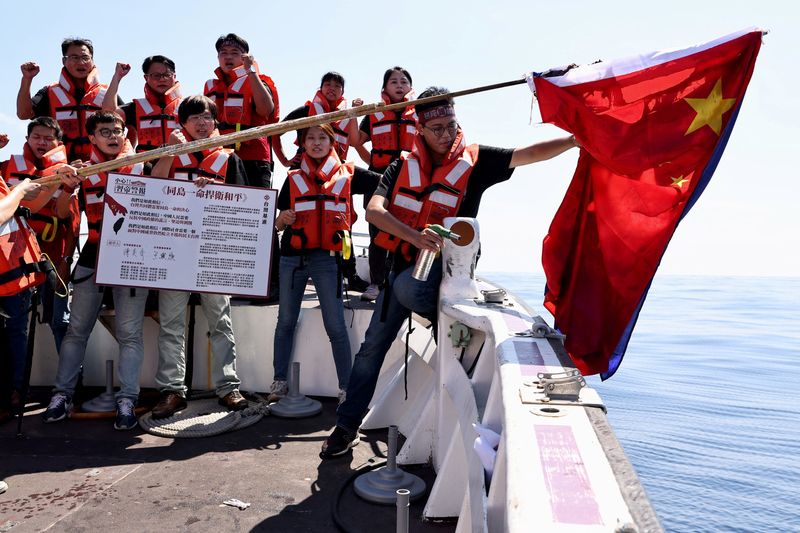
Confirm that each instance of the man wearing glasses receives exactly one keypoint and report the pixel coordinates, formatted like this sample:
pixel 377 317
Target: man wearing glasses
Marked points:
pixel 441 177
pixel 155 116
pixel 198 119
pixel 106 133
pixel 77 94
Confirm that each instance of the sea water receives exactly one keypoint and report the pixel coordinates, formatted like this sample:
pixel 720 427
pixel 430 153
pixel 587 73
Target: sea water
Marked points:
pixel 706 400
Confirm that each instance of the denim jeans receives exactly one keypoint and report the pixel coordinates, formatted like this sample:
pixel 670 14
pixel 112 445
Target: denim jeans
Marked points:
pixel 321 267
pixel 60 319
pixel 14 340
pixel 172 342
pixel 407 294
pixel 87 299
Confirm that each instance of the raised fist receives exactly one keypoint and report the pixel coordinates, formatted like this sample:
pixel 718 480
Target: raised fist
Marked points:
pixel 29 70
pixel 122 70
pixel 247 61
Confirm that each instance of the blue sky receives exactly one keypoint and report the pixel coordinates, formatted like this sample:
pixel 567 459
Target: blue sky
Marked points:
pixel 745 223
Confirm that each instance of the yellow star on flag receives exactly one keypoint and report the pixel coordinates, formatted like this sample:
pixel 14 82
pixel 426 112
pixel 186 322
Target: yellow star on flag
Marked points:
pixel 678 182
pixel 709 110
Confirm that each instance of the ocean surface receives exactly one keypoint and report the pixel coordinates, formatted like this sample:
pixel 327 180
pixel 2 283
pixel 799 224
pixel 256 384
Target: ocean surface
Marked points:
pixel 706 400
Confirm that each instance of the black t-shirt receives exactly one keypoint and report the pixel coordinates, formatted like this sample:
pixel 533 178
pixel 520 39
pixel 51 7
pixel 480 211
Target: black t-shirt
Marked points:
pixel 41 102
pixel 363 182
pixel 300 112
pixel 236 173
pixel 491 168
pixel 130 114
pixel 364 126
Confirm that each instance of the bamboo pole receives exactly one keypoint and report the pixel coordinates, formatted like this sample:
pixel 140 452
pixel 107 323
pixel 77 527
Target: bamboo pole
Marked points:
pixel 270 130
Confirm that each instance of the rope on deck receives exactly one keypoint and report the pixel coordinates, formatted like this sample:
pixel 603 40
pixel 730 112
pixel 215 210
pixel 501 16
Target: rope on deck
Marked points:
pixel 203 418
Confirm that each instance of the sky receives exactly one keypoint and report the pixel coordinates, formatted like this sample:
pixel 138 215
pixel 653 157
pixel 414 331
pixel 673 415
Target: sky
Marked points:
pixel 745 223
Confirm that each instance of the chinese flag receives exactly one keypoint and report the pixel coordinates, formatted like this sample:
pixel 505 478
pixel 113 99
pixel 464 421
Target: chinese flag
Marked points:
pixel 652 129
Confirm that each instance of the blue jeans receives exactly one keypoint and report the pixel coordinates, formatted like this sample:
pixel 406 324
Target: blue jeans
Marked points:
pixel 321 267
pixel 407 294
pixel 14 339
pixel 60 320
pixel 87 300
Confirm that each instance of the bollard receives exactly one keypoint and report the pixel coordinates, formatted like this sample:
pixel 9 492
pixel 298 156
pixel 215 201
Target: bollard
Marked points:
pixel 381 485
pixel 402 510
pixel 105 402
pixel 295 405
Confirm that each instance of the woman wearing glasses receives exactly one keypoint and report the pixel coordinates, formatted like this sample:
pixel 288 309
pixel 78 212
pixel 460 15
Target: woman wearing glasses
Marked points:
pixel 154 117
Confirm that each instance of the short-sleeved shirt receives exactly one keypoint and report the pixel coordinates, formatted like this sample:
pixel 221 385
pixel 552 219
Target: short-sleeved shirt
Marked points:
pixel 363 182
pixel 364 126
pixel 492 167
pixel 130 114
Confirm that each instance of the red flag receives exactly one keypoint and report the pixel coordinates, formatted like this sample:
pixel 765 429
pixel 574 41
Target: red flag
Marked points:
pixel 652 129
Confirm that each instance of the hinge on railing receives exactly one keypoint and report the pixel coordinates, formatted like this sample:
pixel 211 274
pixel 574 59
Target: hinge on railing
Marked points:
pixel 561 385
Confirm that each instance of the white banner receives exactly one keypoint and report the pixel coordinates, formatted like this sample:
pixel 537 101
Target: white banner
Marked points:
pixel 170 234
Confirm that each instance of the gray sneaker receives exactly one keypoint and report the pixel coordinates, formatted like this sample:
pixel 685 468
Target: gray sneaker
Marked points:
pixel 371 294
pixel 278 390
pixel 60 408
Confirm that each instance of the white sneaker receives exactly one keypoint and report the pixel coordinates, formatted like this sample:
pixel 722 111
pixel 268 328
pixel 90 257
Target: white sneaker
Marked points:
pixel 3 487
pixel 278 390
pixel 342 396
pixel 371 293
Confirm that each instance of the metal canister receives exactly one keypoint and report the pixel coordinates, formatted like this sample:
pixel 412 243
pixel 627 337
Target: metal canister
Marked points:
pixel 422 269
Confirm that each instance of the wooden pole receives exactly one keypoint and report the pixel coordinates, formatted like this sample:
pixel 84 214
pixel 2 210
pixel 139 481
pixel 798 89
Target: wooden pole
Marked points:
pixel 270 130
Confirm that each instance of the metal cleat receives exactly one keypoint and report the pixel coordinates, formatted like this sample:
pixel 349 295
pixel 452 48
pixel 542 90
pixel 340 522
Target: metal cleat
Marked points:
pixel 561 385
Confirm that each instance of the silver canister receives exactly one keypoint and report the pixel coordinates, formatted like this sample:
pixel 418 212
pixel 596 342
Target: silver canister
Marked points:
pixel 423 267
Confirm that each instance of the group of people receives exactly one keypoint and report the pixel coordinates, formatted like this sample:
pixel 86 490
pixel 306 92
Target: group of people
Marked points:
pixel 420 171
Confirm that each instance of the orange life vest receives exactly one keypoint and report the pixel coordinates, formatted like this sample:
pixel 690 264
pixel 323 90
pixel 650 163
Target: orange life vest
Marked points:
pixel 237 110
pixel 93 189
pixel 391 133
pixel 71 113
pixel 55 235
pixel 319 105
pixel 424 195
pixel 320 198
pixel 20 258
pixel 211 163
pixel 154 123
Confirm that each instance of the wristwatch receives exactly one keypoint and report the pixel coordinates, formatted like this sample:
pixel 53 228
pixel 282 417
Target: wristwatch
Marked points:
pixel 252 69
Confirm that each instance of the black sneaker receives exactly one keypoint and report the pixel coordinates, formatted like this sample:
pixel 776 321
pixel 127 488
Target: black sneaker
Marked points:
pixel 126 415
pixel 338 443
pixel 59 408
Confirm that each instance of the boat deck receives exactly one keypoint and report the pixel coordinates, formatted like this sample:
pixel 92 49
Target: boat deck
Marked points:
pixel 81 475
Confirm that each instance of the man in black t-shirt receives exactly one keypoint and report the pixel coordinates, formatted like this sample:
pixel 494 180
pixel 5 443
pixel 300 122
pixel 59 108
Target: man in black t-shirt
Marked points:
pixel 438 148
